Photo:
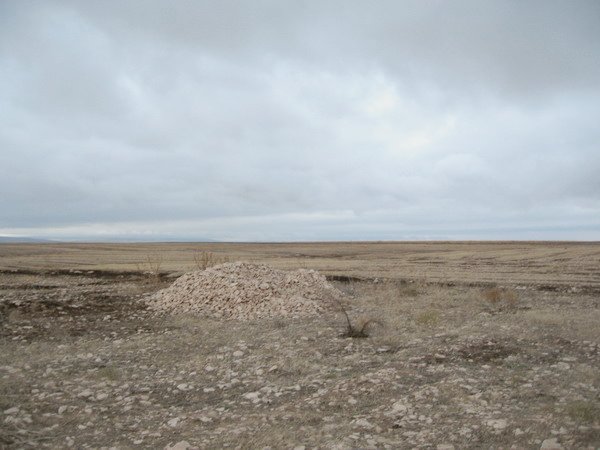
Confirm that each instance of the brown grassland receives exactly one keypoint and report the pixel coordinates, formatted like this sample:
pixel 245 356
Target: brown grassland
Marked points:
pixel 473 345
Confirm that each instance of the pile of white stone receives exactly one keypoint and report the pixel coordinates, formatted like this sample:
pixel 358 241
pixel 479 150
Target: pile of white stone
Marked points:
pixel 247 291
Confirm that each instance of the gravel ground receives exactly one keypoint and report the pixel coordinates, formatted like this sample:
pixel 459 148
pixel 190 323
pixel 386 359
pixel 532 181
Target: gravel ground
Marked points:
pixel 84 364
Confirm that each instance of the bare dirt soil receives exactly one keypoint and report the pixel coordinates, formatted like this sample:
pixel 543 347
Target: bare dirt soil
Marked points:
pixel 455 364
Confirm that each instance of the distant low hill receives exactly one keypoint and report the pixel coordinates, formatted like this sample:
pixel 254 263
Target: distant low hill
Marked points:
pixel 20 240
pixel 142 239
pixel 103 239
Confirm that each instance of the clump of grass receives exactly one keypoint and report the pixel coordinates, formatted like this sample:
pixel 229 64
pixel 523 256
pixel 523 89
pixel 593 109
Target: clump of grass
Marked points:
pixel 409 291
pixel 280 324
pixel 109 373
pixel 547 318
pixel 11 315
pixel 501 298
pixel 583 411
pixel 204 260
pixel 4 313
pixel 428 318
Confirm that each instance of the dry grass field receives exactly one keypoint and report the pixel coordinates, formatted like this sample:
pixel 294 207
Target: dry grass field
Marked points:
pixel 481 345
pixel 529 263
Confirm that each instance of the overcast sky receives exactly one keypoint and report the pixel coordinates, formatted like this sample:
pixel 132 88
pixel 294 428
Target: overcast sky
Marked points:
pixel 300 120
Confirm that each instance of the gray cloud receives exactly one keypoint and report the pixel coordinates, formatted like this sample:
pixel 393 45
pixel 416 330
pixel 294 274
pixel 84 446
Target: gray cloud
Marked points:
pixel 300 120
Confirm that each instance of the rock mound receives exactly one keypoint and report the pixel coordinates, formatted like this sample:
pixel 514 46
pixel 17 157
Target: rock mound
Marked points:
pixel 247 291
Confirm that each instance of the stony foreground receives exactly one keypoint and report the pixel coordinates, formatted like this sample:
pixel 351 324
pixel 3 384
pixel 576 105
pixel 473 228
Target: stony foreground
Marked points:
pixel 85 364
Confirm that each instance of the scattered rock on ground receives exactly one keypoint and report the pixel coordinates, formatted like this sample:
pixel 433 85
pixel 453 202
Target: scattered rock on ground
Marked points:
pixel 551 444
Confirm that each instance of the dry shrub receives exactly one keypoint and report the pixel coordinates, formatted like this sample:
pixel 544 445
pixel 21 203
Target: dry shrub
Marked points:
pixel 362 326
pixel 151 265
pixel 493 295
pixel 204 260
pixel 361 329
pixel 501 298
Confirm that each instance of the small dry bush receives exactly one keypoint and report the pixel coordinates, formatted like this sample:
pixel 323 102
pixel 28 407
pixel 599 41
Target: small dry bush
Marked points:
pixel 362 326
pixel 501 298
pixel 361 329
pixel 204 260
pixel 151 265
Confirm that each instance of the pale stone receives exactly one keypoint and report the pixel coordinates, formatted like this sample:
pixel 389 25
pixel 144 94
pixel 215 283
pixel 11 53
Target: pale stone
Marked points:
pixel 364 423
pixel 551 444
pixel 252 396
pixel 85 393
pixel 498 424
pixel 399 407
pixel 181 445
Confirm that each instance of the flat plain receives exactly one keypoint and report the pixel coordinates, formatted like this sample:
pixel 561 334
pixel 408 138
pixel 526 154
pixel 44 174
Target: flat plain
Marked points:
pixel 481 345
pixel 530 263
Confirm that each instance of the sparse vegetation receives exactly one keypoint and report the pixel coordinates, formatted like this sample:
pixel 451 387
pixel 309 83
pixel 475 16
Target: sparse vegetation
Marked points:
pixel 409 291
pixel 203 260
pixel 84 363
pixel 109 373
pixel 501 298
pixel 584 411
pixel 151 265
pixel 428 318
pixel 362 326
pixel 361 329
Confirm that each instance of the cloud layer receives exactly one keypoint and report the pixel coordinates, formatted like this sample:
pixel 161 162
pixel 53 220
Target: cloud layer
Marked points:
pixel 306 120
